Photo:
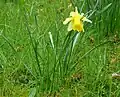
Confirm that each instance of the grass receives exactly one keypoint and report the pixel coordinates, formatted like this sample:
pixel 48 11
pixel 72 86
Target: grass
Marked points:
pixel 39 58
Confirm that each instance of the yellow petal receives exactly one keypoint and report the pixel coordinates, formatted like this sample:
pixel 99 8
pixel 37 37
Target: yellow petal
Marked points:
pixel 82 14
pixel 67 20
pixel 83 29
pixel 72 13
pixel 87 20
pixel 76 10
pixel 70 26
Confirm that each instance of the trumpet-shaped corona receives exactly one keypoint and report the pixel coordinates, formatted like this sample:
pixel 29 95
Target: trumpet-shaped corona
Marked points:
pixel 76 21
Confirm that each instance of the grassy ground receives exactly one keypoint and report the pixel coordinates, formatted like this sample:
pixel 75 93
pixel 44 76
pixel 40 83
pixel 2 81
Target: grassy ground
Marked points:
pixel 32 66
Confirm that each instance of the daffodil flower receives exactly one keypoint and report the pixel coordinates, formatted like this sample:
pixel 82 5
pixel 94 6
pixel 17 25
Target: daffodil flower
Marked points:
pixel 76 21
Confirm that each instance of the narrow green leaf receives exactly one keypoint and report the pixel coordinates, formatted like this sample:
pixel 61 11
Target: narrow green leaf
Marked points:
pixel 32 92
pixel 105 8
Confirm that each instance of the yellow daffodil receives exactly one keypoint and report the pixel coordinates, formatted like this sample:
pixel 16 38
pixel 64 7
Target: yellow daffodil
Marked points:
pixel 76 21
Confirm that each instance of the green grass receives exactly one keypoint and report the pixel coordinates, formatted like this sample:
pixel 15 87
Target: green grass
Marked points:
pixel 70 64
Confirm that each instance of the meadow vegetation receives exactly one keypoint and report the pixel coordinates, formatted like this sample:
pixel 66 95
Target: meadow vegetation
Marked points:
pixel 40 58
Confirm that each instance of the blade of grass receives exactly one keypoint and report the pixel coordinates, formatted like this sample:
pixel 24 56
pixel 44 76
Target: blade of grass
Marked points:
pixel 32 42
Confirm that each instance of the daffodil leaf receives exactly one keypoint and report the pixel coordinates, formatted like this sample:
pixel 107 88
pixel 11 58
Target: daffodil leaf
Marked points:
pixel 32 92
pixel 105 8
